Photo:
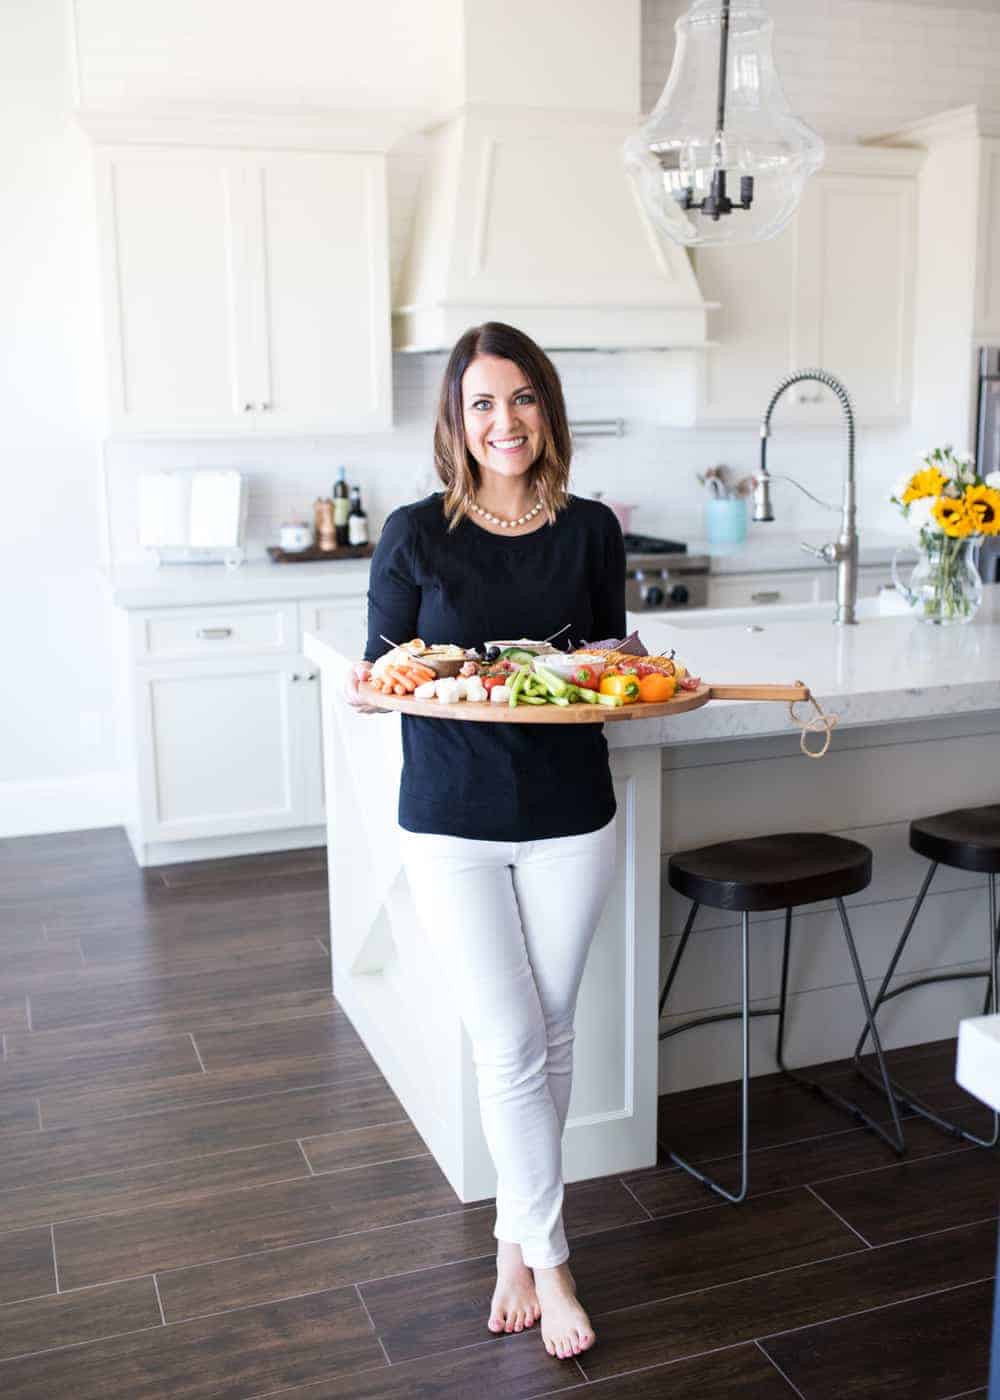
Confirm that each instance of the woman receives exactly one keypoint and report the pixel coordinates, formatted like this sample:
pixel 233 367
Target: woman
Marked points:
pixel 507 830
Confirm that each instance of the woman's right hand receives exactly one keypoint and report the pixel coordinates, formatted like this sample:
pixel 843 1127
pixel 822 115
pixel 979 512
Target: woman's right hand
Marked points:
pixel 360 671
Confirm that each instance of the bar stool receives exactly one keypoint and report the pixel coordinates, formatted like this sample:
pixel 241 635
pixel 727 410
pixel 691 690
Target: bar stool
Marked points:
pixel 765 873
pixel 967 839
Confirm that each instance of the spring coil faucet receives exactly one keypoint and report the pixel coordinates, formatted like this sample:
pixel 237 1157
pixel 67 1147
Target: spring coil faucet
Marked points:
pixel 844 551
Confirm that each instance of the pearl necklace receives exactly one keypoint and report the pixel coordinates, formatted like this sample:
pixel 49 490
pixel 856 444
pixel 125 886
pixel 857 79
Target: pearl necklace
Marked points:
pixel 506 524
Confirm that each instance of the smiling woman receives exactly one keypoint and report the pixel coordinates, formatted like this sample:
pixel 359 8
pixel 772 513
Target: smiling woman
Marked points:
pixel 496 823
pixel 502 443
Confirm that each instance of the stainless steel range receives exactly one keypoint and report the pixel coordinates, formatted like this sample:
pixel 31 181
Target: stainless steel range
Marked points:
pixel 660 575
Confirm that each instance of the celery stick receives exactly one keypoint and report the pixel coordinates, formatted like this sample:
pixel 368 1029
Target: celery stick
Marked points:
pixel 516 686
pixel 554 684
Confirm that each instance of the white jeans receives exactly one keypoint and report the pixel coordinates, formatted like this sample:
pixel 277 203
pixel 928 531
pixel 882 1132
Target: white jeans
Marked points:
pixel 511 924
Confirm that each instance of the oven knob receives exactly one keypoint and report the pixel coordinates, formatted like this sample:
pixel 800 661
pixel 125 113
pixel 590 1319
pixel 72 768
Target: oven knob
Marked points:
pixel 653 596
pixel 679 593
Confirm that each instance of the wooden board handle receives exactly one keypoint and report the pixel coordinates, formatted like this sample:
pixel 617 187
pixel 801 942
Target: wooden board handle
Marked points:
pixel 795 691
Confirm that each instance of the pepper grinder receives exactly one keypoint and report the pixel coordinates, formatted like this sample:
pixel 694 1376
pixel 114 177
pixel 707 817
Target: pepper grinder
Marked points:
pixel 326 535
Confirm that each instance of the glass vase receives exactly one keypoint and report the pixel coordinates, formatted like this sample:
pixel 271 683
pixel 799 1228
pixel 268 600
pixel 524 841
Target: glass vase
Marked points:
pixel 945 586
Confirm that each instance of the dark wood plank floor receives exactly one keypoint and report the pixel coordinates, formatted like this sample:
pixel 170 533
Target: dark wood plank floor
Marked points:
pixel 208 1189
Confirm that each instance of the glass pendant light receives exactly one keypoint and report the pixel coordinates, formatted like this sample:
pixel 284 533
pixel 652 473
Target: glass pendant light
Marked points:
pixel 721 159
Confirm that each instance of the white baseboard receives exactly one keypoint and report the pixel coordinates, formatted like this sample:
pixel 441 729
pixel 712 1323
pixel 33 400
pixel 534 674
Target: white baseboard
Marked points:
pixel 62 804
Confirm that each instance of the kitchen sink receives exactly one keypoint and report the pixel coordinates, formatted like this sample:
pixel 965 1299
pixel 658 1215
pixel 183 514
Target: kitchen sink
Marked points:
pixel 767 615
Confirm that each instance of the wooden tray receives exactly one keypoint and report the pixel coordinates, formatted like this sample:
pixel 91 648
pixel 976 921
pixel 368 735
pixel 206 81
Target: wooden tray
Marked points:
pixel 312 555
pixel 580 713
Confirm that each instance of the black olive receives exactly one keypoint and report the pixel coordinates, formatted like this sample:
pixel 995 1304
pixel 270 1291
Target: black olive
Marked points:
pixel 492 653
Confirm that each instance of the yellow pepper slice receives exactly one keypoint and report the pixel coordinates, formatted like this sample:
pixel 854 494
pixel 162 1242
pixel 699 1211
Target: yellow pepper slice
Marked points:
pixel 625 687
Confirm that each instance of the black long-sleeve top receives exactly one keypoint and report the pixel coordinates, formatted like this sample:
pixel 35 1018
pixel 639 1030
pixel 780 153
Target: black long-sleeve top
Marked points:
pixel 499 782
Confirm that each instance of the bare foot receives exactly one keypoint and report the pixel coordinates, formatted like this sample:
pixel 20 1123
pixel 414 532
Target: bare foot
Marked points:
pixel 515 1303
pixel 566 1328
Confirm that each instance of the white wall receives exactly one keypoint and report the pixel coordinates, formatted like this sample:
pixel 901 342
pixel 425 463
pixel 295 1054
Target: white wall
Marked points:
pixel 55 730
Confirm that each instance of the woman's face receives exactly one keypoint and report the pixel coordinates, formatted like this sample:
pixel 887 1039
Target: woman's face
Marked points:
pixel 503 423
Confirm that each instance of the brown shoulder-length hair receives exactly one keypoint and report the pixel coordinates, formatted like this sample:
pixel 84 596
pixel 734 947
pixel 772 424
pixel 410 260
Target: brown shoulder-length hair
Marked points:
pixel 455 464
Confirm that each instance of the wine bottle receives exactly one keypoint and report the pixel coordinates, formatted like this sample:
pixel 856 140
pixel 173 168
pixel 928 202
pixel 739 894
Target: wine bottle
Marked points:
pixel 341 506
pixel 357 521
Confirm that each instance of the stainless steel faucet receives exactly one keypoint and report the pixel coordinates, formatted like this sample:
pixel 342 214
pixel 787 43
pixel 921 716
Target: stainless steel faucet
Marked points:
pixel 844 551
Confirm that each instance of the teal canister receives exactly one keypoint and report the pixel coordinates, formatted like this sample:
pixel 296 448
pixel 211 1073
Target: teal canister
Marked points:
pixel 726 520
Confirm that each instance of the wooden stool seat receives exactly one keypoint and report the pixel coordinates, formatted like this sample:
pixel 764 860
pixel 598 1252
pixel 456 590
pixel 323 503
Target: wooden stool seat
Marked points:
pixel 772 872
pixel 968 838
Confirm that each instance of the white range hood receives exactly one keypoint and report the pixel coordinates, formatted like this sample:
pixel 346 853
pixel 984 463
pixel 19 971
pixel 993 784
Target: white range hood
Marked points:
pixel 525 213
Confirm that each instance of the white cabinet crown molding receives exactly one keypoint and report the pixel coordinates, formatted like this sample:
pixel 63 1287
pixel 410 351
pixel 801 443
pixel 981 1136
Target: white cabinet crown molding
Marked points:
pixel 260 128
pixel 955 124
pixel 872 160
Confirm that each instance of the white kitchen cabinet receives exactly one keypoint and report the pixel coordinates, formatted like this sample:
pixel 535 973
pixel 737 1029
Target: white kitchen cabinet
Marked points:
pixel 220 724
pixel 244 292
pixel 220 747
pixel 755 590
pixel 758 590
pixel 834 290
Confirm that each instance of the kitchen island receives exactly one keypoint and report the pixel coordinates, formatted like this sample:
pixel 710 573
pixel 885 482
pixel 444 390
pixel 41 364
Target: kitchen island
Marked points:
pixel 918 731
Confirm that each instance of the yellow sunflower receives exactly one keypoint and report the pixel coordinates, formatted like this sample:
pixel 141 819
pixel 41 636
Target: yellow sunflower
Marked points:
pixel 953 517
pixel 983 504
pixel 929 482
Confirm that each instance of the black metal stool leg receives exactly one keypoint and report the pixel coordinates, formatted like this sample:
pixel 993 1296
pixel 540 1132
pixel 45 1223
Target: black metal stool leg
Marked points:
pixel 745 1015
pixel 880 996
pixel 988 1001
pixel 675 964
pixel 897 1092
pixel 896 1142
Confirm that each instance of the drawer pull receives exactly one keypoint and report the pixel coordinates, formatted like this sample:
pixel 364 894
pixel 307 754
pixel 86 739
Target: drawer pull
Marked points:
pixel 766 595
pixel 214 634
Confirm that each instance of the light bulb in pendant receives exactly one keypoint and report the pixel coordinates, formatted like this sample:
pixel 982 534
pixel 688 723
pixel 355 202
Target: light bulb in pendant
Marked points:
pixel 722 159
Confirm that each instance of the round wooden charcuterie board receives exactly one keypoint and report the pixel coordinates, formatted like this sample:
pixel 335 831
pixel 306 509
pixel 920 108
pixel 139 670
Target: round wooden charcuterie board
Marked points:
pixel 484 712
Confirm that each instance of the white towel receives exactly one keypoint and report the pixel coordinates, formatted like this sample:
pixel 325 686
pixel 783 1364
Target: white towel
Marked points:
pixel 215 510
pixel 163 510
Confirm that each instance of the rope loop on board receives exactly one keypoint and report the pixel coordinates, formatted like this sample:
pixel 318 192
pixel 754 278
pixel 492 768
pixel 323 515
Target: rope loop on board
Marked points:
pixel 819 723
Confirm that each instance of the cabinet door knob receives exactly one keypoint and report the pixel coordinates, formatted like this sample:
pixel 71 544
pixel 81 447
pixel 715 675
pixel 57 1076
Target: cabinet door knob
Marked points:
pixel 294 677
pixel 248 408
pixel 265 407
pixel 213 634
pixel 766 595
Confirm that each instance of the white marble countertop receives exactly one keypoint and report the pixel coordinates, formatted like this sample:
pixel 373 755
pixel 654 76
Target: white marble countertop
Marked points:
pixel 883 669
pixel 184 585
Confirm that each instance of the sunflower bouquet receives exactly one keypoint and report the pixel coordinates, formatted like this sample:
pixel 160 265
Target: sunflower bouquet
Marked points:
pixel 951 508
